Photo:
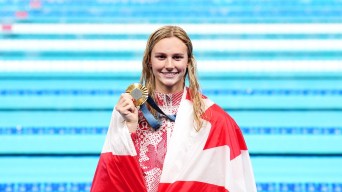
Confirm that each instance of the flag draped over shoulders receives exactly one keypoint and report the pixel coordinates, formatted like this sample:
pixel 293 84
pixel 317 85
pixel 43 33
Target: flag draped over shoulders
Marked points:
pixel 213 159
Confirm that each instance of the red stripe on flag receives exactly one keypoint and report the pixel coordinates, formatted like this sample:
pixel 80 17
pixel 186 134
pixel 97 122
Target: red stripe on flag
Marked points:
pixel 119 173
pixel 224 131
pixel 190 186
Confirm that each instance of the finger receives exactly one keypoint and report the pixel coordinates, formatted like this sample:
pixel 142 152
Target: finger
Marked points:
pixel 127 96
pixel 127 111
pixel 123 105
pixel 127 102
pixel 123 102
pixel 130 107
pixel 123 110
pixel 122 98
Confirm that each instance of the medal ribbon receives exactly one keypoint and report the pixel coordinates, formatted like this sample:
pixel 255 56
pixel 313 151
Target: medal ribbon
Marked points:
pixel 140 95
pixel 155 124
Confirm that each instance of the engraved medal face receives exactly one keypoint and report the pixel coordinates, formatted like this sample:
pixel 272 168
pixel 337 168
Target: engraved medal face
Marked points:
pixel 138 92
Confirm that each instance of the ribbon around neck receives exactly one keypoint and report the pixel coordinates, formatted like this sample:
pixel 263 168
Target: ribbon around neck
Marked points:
pixel 155 124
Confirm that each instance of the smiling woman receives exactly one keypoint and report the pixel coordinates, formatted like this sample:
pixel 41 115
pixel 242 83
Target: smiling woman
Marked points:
pixel 202 149
pixel 169 62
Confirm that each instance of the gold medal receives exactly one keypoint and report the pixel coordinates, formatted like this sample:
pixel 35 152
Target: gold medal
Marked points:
pixel 138 92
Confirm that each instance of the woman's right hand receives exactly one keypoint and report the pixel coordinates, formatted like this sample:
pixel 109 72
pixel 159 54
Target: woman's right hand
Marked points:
pixel 128 111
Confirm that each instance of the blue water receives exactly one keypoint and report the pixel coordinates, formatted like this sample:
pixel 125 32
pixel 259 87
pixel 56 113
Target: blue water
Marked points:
pixel 53 125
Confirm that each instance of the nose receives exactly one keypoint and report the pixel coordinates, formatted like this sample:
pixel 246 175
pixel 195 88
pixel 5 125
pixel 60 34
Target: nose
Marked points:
pixel 169 64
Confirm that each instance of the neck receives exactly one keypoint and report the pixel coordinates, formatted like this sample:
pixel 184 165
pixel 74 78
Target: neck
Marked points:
pixel 169 91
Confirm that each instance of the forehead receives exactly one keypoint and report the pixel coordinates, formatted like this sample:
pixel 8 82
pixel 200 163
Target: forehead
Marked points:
pixel 170 45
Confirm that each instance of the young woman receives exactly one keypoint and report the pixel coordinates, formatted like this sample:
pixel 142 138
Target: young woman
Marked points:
pixel 202 149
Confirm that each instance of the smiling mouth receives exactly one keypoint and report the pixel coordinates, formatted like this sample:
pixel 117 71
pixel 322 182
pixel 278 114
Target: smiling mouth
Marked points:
pixel 169 74
pixel 166 73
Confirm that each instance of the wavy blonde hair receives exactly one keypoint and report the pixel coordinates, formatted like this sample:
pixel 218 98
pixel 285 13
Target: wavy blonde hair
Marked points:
pixel 147 78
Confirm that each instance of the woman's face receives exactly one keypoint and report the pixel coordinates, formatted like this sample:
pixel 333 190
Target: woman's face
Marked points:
pixel 169 60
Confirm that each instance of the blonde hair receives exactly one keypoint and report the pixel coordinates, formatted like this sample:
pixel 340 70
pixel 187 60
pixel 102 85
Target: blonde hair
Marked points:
pixel 147 78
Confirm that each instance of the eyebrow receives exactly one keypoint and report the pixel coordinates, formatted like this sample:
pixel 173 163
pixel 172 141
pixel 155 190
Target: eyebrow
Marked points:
pixel 172 54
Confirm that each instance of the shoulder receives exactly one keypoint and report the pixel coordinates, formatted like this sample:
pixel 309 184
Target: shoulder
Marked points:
pixel 223 130
pixel 215 114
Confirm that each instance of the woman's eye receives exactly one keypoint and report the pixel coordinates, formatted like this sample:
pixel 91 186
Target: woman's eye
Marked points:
pixel 177 57
pixel 160 56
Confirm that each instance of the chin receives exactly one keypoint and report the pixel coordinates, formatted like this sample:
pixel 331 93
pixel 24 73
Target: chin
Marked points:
pixel 171 84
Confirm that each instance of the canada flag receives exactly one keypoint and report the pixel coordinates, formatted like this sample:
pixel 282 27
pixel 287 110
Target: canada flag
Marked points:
pixel 214 159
